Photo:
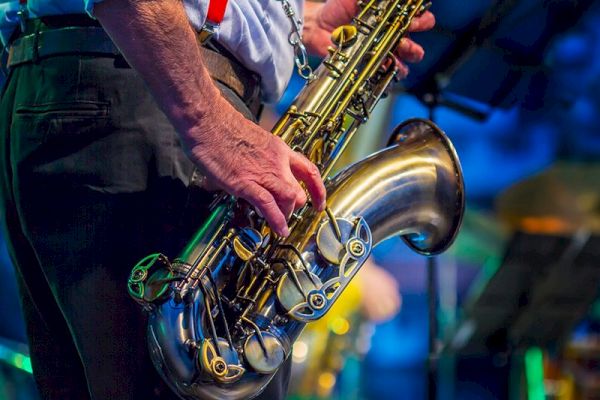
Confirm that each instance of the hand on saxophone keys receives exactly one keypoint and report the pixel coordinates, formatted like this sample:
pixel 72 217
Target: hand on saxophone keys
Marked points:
pixel 410 51
pixel 322 18
pixel 255 165
pixel 250 163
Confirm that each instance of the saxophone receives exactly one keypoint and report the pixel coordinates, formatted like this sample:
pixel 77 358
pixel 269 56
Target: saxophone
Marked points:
pixel 224 314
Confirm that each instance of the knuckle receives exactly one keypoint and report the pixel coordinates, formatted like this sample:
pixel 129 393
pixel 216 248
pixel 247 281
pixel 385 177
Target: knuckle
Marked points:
pixel 264 198
pixel 288 195
pixel 269 178
pixel 243 189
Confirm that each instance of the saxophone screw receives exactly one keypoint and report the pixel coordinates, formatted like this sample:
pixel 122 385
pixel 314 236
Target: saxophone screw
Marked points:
pixel 357 248
pixel 139 275
pixel 219 367
pixel 316 300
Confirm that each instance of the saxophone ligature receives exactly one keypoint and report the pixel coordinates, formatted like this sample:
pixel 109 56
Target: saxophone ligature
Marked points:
pixel 224 314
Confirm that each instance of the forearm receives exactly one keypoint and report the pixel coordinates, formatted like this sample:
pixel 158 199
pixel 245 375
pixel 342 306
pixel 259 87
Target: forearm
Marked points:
pixel 235 154
pixel 157 40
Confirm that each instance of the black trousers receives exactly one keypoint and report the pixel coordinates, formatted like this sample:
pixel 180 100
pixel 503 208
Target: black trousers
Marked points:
pixel 92 179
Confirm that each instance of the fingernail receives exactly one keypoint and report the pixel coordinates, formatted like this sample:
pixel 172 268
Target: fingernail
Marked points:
pixel 323 206
pixel 285 232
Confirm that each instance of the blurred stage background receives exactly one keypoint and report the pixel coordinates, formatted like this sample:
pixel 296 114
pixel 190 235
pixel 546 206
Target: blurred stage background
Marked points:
pixel 516 86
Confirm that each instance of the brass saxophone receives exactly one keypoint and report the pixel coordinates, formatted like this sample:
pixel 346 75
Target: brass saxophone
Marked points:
pixel 224 314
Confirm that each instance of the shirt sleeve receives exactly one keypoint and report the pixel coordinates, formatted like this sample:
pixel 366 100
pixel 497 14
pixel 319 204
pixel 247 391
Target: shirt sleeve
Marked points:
pixel 89 6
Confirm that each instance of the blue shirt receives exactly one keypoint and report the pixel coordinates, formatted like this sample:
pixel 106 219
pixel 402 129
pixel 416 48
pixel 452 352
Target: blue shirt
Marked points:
pixel 255 31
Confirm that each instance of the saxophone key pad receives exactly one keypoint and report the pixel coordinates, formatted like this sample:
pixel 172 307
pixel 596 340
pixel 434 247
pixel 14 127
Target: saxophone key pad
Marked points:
pixel 331 246
pixel 295 291
pixel 264 353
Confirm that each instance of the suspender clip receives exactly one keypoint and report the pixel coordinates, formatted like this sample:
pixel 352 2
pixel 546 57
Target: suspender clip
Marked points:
pixel 207 31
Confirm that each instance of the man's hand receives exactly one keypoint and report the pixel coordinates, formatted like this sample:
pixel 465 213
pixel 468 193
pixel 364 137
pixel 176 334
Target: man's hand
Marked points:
pixel 320 19
pixel 251 163
pixel 156 39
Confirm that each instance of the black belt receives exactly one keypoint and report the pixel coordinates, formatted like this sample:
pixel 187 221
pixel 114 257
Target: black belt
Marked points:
pixel 93 40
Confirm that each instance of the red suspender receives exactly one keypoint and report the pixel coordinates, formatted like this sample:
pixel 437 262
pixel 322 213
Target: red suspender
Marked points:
pixel 216 11
pixel 214 17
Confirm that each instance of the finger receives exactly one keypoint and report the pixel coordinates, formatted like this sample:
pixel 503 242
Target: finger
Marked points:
pixel 422 23
pixel 308 173
pixel 267 206
pixel 409 51
pixel 286 200
pixel 402 68
pixel 300 198
pixel 299 194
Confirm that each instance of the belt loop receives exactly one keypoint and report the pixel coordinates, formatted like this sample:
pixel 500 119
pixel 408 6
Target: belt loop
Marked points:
pixel 23 14
pixel 35 52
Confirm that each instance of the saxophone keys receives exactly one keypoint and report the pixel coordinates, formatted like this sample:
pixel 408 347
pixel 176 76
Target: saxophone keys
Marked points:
pixel 301 296
pixel 150 279
pixel 344 35
pixel 425 7
pixel 246 243
pixel 332 237
pixel 264 352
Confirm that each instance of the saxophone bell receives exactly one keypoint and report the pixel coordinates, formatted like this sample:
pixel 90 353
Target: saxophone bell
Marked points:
pixel 447 201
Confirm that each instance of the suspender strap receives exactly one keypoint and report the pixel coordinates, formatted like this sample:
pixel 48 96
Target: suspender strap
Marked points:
pixel 214 17
pixel 216 11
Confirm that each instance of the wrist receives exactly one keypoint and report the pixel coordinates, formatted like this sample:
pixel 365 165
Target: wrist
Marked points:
pixel 196 111
pixel 215 130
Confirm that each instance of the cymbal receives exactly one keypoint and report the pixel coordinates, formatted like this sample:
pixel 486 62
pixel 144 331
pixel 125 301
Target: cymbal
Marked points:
pixel 561 200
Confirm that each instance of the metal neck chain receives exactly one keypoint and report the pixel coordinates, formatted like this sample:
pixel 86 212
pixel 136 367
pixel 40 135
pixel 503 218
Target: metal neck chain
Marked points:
pixel 295 40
